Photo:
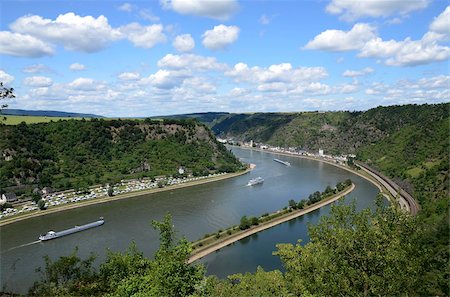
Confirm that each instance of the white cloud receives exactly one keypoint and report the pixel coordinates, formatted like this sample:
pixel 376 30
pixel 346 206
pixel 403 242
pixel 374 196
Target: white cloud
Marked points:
pixel 23 45
pixel 407 52
pixel 77 67
pixel 86 84
pixel 190 62
pixel 36 68
pixel 355 73
pixel 127 7
pixel 6 78
pixel 280 78
pixel 165 79
pixel 143 36
pixel 355 9
pixel 220 37
pixel 338 40
pixel 217 9
pixel 441 23
pixel 74 32
pixel 129 76
pixel 184 43
pixel 38 81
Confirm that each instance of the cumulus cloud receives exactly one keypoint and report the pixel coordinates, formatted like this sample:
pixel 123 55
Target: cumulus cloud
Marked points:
pixel 184 43
pixel 280 78
pixel 77 67
pixel 6 78
pixel 143 36
pixel 129 76
pixel 338 40
pixel 86 84
pixel 35 36
pixel 441 24
pixel 74 32
pixel 356 73
pixel 355 9
pixel 364 38
pixel 38 81
pixel 220 37
pixel 407 52
pixel 190 62
pixel 218 9
pixel 36 68
pixel 165 79
pixel 23 45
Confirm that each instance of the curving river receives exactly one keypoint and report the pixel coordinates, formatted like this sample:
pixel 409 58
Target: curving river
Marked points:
pixel 195 210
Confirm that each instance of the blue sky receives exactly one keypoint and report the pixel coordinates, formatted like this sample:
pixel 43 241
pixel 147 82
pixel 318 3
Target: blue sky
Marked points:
pixel 145 58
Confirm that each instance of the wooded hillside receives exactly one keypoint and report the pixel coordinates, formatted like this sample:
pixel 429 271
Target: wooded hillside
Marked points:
pixel 71 154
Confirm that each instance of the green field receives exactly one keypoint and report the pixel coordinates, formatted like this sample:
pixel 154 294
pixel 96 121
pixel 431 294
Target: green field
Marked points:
pixel 14 120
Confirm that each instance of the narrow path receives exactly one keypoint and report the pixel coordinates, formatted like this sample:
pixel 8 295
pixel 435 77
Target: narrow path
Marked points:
pixel 200 253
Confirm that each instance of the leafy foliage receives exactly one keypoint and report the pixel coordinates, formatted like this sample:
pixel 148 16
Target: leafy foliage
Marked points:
pixel 77 154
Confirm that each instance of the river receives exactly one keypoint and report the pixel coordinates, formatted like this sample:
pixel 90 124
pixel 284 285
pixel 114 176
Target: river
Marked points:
pixel 195 210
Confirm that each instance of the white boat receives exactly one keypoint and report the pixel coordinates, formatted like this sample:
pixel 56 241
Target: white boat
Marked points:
pixel 255 181
pixel 282 162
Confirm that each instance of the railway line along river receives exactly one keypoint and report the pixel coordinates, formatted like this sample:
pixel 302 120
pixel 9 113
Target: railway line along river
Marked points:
pixel 196 210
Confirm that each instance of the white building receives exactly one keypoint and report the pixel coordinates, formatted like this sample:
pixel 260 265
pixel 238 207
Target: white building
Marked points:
pixel 181 170
pixel 321 152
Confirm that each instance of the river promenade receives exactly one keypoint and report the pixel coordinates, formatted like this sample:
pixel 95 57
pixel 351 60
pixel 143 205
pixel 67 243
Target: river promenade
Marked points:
pixel 206 250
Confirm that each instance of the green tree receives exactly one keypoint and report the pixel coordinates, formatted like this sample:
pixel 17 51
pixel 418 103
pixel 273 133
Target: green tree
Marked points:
pixel 67 276
pixel 261 283
pixel 245 223
pixel 41 204
pixel 351 253
pixel 169 273
pixel 5 93
pixel 292 204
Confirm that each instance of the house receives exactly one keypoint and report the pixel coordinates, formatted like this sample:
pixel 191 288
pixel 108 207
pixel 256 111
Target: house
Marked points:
pixel 47 190
pixel 9 197
pixel 181 170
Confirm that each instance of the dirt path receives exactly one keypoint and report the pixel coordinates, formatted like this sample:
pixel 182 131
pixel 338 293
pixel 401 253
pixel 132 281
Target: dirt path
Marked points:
pixel 245 233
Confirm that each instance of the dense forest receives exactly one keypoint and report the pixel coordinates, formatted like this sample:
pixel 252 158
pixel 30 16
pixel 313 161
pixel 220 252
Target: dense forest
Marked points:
pixel 80 153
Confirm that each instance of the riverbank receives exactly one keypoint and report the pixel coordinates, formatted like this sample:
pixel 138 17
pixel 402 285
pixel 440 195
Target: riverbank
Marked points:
pixel 227 240
pixel 106 199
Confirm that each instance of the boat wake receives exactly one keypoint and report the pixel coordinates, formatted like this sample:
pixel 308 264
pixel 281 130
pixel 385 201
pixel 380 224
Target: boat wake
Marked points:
pixel 22 245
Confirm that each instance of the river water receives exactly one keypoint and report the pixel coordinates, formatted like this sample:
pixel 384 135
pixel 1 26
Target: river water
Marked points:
pixel 195 210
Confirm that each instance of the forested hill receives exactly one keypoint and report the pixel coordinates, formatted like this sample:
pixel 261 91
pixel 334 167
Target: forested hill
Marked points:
pixel 409 143
pixel 73 154
pixel 336 132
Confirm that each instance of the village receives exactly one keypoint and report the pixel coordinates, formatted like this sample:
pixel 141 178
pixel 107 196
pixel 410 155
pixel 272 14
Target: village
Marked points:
pixel 342 159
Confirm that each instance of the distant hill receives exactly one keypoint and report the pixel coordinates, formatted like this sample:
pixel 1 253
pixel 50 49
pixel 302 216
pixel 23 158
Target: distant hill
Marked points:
pixel 207 118
pixel 48 113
